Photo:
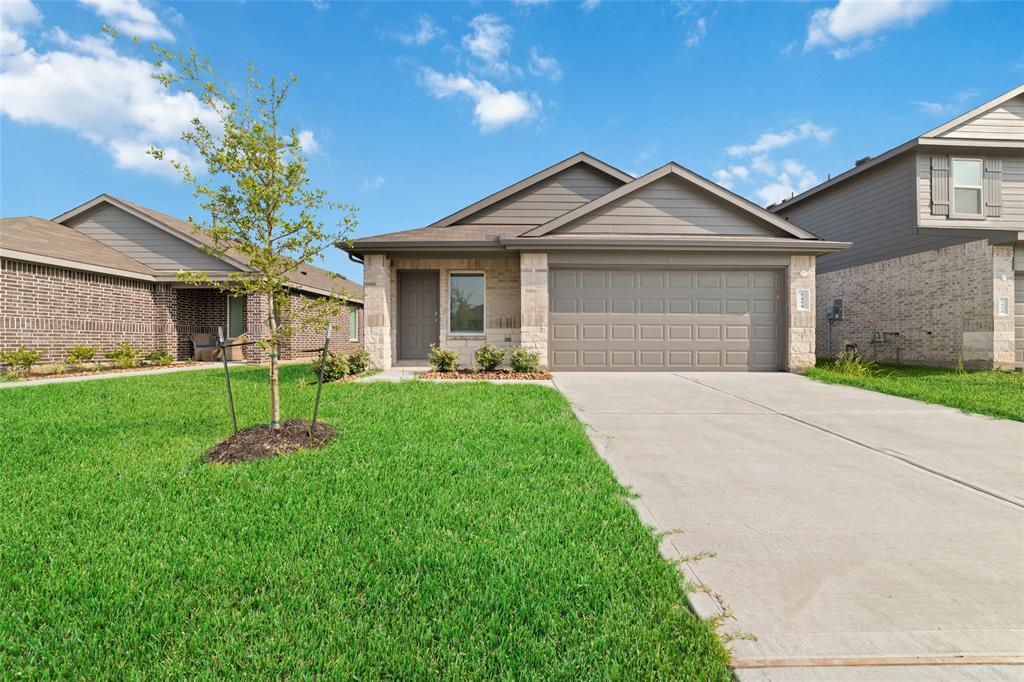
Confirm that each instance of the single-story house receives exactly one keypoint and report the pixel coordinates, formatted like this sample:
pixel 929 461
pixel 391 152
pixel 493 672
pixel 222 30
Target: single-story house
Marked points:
pixel 936 271
pixel 105 272
pixel 597 270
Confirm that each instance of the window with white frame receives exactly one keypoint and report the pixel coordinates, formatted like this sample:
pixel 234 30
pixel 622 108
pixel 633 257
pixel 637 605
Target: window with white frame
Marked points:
pixel 353 324
pixel 967 184
pixel 466 303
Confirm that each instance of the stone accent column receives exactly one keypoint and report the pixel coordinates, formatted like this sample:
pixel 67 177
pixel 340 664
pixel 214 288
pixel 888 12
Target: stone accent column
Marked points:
pixel 377 294
pixel 256 312
pixel 1003 343
pixel 800 335
pixel 533 282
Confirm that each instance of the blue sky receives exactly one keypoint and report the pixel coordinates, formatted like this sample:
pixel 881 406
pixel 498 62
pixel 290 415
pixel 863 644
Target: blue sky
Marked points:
pixel 414 110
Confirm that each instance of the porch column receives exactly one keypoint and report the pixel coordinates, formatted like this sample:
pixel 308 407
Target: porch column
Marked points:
pixel 377 295
pixel 256 312
pixel 533 283
pixel 800 332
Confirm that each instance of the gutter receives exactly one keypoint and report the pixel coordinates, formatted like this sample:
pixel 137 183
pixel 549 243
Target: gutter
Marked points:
pixel 712 244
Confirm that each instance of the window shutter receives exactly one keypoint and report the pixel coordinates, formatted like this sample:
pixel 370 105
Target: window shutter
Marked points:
pixel 940 185
pixel 993 183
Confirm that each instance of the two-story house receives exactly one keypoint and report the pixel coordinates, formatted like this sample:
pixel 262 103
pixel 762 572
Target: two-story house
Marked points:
pixel 936 271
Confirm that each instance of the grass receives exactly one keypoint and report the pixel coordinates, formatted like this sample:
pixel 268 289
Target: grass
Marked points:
pixel 452 531
pixel 995 393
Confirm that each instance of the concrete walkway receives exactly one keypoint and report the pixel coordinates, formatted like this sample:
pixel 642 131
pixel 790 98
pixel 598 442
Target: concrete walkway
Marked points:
pixel 846 524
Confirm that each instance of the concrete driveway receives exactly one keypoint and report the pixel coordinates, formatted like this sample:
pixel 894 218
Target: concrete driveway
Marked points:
pixel 856 535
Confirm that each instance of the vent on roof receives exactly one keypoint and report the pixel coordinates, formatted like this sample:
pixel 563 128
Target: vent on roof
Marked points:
pixel 864 160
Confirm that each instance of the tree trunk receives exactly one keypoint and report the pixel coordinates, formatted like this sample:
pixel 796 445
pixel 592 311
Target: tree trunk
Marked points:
pixel 275 390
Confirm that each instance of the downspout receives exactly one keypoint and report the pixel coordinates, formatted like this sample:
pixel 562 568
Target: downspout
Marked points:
pixel 354 258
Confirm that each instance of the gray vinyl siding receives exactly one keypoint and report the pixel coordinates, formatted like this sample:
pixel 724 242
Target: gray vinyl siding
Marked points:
pixel 145 243
pixel 546 200
pixel 668 206
pixel 874 211
pixel 1012 190
pixel 1004 122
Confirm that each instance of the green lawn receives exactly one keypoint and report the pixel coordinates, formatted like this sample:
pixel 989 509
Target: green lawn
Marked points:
pixel 999 394
pixel 455 531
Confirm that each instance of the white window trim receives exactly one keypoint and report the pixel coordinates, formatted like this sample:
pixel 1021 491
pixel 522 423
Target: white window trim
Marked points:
pixel 448 324
pixel 351 312
pixel 952 190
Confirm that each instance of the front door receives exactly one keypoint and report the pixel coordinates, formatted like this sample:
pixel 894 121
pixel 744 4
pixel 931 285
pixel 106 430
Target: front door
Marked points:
pixel 418 313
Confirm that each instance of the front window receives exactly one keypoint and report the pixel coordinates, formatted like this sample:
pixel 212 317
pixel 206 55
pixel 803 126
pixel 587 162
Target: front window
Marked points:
pixel 353 324
pixel 466 303
pixel 967 187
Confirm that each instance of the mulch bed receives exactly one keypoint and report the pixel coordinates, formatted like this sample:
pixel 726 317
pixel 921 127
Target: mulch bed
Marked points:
pixel 481 375
pixel 259 442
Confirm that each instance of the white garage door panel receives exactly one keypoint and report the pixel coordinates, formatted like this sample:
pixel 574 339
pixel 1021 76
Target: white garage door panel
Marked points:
pixel 664 320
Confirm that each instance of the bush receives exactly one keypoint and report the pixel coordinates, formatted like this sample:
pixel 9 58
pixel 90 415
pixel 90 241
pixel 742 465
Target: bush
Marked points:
pixel 79 355
pixel 21 359
pixel 159 357
pixel 336 367
pixel 358 362
pixel 124 356
pixel 850 363
pixel 443 359
pixel 489 357
pixel 525 361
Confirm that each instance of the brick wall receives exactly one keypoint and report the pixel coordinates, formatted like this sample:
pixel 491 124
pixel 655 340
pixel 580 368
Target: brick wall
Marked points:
pixel 199 311
pixel 941 302
pixel 51 309
pixel 304 338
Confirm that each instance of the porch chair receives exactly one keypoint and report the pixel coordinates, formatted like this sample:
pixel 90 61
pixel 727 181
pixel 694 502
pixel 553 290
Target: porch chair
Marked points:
pixel 205 348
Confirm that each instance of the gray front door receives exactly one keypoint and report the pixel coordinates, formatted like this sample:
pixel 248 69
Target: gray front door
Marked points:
pixel 722 320
pixel 418 313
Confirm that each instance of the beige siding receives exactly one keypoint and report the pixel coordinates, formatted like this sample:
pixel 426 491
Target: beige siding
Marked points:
pixel 1004 122
pixel 547 200
pixel 145 243
pixel 874 210
pixel 1012 192
pixel 668 206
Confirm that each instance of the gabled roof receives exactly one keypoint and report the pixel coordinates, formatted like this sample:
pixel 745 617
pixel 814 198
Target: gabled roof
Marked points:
pixel 43 241
pixel 305 277
pixel 675 170
pixel 929 138
pixel 526 183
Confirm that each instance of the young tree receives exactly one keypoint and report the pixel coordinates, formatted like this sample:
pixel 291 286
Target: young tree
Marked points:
pixel 256 189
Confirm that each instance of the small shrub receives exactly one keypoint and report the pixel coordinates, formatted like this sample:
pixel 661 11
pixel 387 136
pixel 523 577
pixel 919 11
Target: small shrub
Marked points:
pixel 489 357
pixel 22 359
pixel 850 363
pixel 335 368
pixel 79 355
pixel 159 357
pixel 524 361
pixel 358 362
pixel 124 356
pixel 443 359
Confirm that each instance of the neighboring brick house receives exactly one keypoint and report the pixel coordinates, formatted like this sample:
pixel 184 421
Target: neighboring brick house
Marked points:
pixel 936 271
pixel 597 270
pixel 106 272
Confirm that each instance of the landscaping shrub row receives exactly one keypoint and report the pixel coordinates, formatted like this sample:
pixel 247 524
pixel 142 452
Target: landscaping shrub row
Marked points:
pixel 522 364
pixel 20 362
pixel 340 367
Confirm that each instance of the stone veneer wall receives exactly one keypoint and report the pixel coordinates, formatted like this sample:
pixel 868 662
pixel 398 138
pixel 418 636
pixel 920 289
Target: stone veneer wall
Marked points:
pixel 800 334
pixel 534 303
pixel 943 303
pixel 502 305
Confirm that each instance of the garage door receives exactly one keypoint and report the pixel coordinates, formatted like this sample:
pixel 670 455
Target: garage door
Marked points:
pixel 724 320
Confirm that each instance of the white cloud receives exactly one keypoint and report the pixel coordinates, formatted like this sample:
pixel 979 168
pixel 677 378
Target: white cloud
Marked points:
pixel 697 33
pixel 956 104
pixel 85 86
pixel 541 65
pixel 860 21
pixel 726 177
pixel 321 5
pixel 762 164
pixel 15 15
pixel 308 142
pixel 489 42
pixel 372 184
pixel 589 5
pixel 774 140
pixel 530 3
pixel 794 178
pixel 132 18
pixel 424 33
pixel 493 108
